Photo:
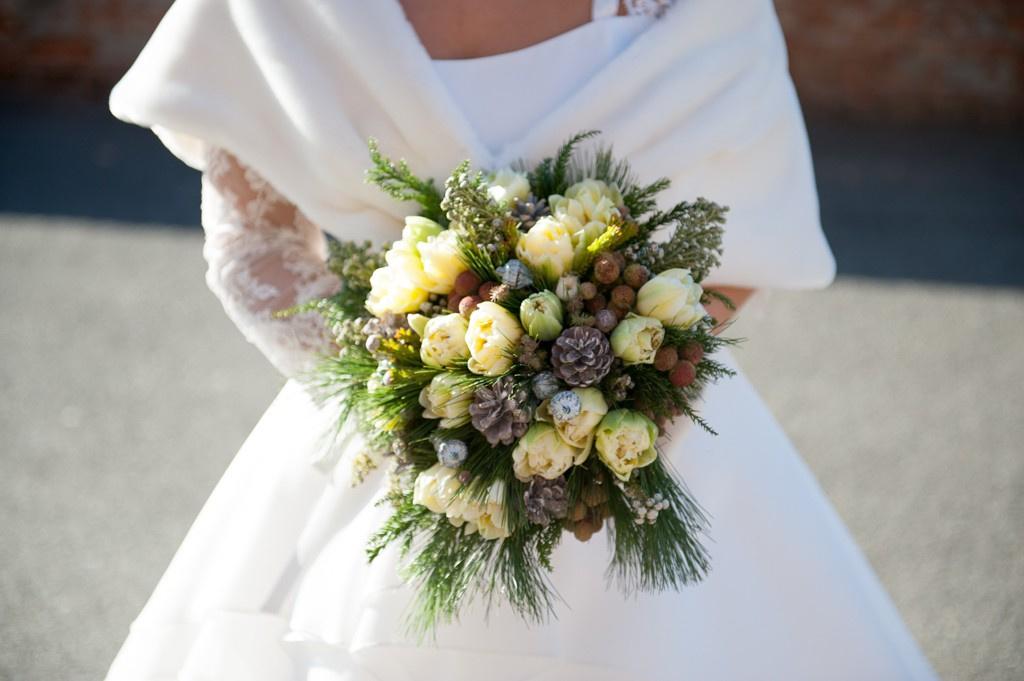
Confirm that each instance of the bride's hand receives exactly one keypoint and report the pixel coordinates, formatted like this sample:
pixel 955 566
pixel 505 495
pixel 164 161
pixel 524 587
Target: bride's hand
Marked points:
pixel 717 309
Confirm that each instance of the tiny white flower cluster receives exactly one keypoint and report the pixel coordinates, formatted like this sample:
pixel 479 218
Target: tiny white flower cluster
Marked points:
pixel 645 508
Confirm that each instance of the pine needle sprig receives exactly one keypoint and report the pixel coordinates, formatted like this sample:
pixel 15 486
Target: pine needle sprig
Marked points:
pixel 642 199
pixel 667 554
pixel 552 175
pixel 702 333
pixel 651 392
pixel 602 164
pixel 450 569
pixel 695 243
pixel 397 181
pixel 714 294
pixel 405 521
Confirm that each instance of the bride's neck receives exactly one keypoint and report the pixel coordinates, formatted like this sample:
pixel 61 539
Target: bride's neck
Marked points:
pixel 467 29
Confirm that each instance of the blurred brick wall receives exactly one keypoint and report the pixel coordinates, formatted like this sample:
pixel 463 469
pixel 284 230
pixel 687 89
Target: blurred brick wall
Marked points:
pixel 909 59
pixel 81 46
pixel 889 59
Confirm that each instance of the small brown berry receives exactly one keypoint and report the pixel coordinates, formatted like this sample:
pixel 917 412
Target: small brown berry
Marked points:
pixel 588 290
pixel 606 269
pixel 606 321
pixel 485 289
pixel 693 352
pixel 466 283
pixel 453 302
pixel 596 303
pixel 682 374
pixel 620 310
pixel 623 295
pixel 467 305
pixel 636 275
pixel 620 259
pixel 665 358
pixel 465 476
pixel 574 305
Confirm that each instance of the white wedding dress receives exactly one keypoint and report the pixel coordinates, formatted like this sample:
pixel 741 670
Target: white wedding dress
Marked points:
pixel 271 583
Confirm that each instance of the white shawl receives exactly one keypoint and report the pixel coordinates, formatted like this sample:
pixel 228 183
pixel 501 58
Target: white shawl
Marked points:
pixel 295 88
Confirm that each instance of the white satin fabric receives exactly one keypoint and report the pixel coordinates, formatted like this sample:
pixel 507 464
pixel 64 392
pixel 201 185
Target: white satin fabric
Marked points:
pixel 271 583
pixel 293 89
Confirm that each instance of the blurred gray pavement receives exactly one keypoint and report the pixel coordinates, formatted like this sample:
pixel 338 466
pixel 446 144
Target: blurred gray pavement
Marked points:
pixel 126 391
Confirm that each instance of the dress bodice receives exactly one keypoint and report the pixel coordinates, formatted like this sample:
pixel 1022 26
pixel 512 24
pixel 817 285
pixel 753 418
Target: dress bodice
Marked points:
pixel 524 86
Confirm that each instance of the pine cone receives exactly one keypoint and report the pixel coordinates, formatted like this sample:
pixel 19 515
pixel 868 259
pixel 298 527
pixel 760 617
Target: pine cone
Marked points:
pixel 581 356
pixel 595 494
pixel 586 528
pixel 545 500
pixel 529 211
pixel 500 411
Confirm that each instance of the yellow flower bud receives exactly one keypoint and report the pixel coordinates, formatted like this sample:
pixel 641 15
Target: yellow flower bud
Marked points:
pixel 440 261
pixel 444 341
pixel 543 452
pixel 547 248
pixel 492 337
pixel 390 291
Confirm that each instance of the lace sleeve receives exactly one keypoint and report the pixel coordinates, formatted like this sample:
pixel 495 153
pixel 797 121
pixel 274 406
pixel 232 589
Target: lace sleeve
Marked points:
pixel 653 8
pixel 263 256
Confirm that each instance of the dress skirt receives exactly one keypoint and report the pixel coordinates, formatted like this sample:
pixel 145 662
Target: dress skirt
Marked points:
pixel 272 582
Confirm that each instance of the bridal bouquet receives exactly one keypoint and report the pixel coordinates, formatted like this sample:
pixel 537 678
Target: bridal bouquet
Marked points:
pixel 517 355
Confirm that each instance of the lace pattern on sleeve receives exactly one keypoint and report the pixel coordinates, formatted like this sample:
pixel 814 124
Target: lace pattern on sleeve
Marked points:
pixel 264 256
pixel 646 7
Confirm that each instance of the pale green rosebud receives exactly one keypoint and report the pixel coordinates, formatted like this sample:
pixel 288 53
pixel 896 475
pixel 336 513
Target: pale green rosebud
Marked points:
pixel 418 228
pixel 492 335
pixel 625 441
pixel 547 248
pixel 447 397
pixel 579 430
pixel 541 315
pixel 673 297
pixel 508 186
pixel 636 339
pixel 418 323
pixel 543 452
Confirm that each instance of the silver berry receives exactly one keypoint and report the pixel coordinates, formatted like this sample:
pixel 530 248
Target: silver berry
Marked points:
pixel 452 453
pixel 515 274
pixel 565 405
